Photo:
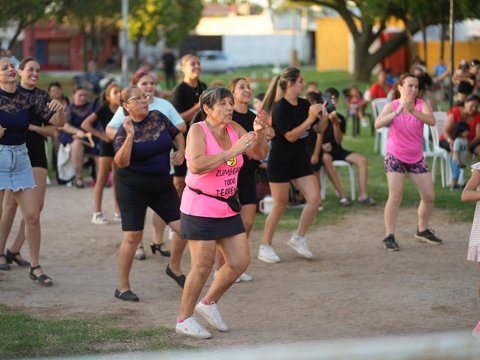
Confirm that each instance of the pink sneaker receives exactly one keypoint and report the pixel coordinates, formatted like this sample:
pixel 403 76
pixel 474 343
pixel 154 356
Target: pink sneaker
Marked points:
pixel 476 331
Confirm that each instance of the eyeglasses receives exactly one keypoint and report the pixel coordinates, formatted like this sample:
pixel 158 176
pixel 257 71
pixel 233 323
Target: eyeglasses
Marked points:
pixel 140 98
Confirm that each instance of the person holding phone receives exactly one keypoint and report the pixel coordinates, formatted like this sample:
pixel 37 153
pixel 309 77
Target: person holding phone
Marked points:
pixel 292 117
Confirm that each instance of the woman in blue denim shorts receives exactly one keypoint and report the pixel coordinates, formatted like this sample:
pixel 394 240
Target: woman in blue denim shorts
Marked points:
pixel 17 109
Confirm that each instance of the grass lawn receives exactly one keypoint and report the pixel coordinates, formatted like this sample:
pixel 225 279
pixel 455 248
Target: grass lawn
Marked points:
pixel 22 335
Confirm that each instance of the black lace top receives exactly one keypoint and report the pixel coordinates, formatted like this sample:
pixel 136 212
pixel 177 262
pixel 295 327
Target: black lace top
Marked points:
pixel 152 143
pixel 17 110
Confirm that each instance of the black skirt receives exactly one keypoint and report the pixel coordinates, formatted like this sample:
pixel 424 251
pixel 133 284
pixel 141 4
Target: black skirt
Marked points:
pixel 207 228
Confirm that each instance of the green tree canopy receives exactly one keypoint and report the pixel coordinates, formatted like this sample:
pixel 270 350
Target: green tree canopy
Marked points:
pixel 367 19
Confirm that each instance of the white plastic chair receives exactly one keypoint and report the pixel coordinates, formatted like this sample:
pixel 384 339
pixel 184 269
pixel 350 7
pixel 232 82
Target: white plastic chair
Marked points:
pixel 351 174
pixel 436 152
pixel 440 120
pixel 380 141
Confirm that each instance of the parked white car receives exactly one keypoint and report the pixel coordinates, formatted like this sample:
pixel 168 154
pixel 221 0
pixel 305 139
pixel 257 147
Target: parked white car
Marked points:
pixel 214 61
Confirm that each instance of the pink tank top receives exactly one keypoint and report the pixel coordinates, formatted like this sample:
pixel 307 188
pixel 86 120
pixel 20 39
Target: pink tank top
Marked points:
pixel 221 182
pixel 405 136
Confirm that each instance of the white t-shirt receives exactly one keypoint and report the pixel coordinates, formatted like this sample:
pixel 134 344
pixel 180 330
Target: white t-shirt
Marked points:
pixel 162 105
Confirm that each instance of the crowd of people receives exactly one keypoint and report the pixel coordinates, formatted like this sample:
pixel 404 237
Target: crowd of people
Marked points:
pixel 194 159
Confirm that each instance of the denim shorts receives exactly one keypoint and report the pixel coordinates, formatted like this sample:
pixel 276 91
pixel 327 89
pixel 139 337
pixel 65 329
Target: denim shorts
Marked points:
pixel 15 168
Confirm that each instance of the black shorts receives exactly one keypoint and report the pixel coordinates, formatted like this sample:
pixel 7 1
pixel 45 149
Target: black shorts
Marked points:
pixel 207 228
pixel 339 153
pixel 281 172
pixel 247 189
pixel 181 170
pixel 106 149
pixel 138 191
pixel 36 153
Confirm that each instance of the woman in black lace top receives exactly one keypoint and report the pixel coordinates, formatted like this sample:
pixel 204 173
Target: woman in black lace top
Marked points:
pixel 38 130
pixel 142 153
pixel 17 109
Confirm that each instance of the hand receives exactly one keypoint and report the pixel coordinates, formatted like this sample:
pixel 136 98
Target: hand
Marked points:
pixel 327 147
pixel 260 121
pixel 269 133
pixel 313 112
pixel 128 126
pixel 401 106
pixel 244 143
pixel 79 134
pixel 333 117
pixel 55 105
pixel 314 159
pixel 409 105
pixel 2 131
pixel 178 157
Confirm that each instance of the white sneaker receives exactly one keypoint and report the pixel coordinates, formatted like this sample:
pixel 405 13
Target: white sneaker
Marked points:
pixel 191 327
pixel 98 219
pixel 211 314
pixel 299 244
pixel 266 253
pixel 244 278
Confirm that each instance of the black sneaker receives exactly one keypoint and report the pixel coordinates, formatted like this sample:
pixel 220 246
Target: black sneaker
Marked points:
pixel 390 243
pixel 428 236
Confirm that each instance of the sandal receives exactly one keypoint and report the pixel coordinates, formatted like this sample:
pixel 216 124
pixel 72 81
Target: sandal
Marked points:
pixel 367 201
pixel 43 279
pixel 345 201
pixel 158 247
pixel 16 258
pixel 5 266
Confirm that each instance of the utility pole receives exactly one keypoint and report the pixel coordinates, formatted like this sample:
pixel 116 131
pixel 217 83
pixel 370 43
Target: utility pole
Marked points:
pixel 125 43
pixel 452 53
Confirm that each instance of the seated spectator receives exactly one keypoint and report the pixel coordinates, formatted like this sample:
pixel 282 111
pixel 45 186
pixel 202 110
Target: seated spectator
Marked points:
pixel 333 150
pixel 380 89
pixel 467 113
pixel 356 104
pixel 465 79
pixel 312 86
pixel 72 133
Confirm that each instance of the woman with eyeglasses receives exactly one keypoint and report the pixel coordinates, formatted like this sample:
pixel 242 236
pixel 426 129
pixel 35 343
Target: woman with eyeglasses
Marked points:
pixel 17 112
pixel 146 83
pixel 142 153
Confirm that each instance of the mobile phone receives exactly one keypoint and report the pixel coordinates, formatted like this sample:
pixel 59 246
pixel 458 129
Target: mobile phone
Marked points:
pixel 327 97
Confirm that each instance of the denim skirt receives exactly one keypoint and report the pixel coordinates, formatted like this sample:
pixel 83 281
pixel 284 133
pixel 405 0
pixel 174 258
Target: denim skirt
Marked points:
pixel 15 168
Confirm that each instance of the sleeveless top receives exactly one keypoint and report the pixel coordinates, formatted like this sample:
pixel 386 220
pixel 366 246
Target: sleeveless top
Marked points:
pixel 220 182
pixel 405 137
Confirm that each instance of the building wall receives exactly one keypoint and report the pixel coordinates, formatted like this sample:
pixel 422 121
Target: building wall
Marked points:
pixel 467 50
pixel 332 44
pixel 246 50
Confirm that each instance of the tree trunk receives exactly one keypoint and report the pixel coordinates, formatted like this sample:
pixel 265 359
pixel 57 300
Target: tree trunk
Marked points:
pixel 361 68
pixel 21 25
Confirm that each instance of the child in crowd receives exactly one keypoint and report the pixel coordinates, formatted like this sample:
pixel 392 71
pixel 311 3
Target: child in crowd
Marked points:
pixel 356 104
pixel 471 193
pixel 459 159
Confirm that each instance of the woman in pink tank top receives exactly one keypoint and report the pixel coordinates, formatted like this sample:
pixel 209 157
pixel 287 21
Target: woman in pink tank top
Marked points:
pixel 406 117
pixel 208 220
